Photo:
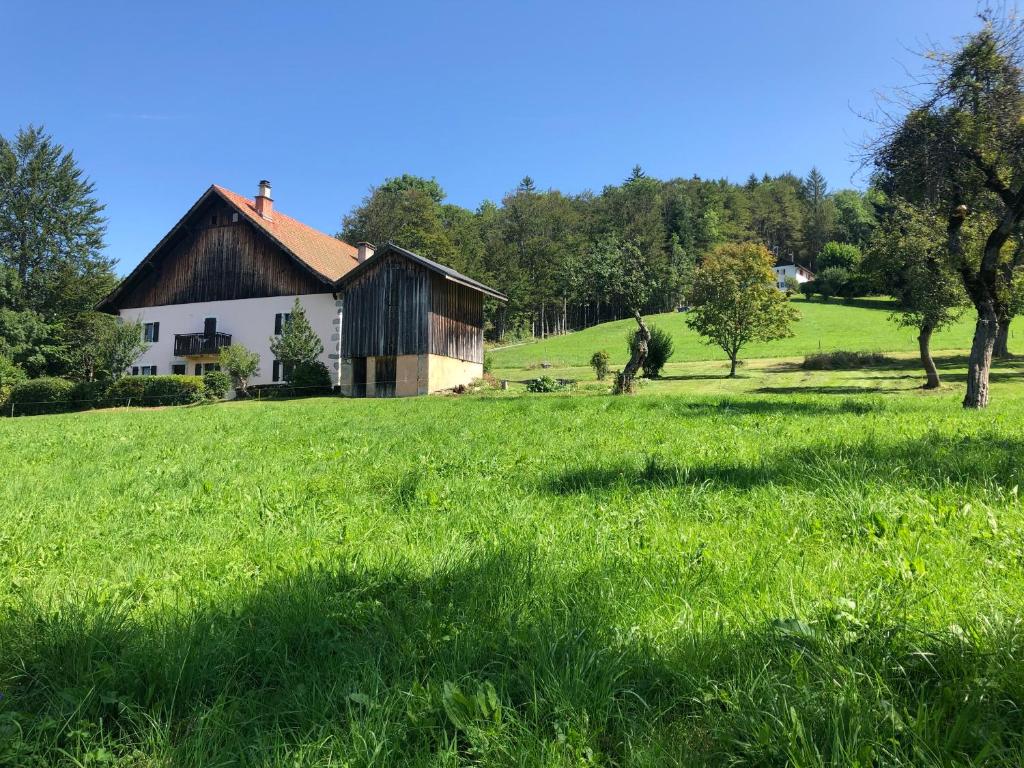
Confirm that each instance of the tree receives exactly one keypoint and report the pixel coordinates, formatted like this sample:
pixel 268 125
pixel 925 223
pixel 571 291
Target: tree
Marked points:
pixel 735 300
pixel 298 343
pixel 854 218
pixel 51 226
pixel 841 255
pixel 820 212
pixel 632 288
pixel 959 151
pixel 240 364
pixel 407 210
pixel 907 258
pixel 121 346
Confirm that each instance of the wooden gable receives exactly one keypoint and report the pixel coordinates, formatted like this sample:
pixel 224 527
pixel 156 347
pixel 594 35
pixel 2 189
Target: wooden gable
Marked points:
pixel 214 254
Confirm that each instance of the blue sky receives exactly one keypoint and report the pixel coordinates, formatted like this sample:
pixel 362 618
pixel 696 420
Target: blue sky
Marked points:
pixel 327 99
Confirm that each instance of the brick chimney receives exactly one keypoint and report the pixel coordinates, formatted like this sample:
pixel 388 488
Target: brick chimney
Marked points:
pixel 364 251
pixel 264 203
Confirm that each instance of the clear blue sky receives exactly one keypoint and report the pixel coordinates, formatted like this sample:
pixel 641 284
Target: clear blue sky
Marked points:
pixel 326 99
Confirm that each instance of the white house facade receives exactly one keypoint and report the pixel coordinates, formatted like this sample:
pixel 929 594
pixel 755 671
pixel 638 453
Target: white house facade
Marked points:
pixel 783 271
pixel 186 338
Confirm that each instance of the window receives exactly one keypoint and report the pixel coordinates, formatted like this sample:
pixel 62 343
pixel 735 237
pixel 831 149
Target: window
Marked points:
pixel 282 371
pixel 135 370
pixel 234 217
pixel 147 370
pixel 151 333
pixel 279 320
pixel 178 369
pixel 207 367
pixel 199 369
pixel 209 326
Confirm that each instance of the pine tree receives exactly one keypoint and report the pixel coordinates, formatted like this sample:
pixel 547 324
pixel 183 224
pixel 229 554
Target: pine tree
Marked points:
pixel 51 226
pixel 298 343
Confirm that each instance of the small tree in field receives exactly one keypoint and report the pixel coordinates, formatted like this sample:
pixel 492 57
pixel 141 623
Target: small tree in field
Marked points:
pixel 298 343
pixel 907 258
pixel 240 364
pixel 599 362
pixel 633 290
pixel 736 301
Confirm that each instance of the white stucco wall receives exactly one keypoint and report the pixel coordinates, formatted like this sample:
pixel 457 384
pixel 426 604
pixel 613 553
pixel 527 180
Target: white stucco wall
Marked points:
pixel 249 321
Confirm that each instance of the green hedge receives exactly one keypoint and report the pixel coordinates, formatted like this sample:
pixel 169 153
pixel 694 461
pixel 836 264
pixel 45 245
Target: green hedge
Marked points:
pixel 148 391
pixel 37 396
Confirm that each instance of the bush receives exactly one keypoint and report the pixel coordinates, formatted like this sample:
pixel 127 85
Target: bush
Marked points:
pixel 659 350
pixel 241 364
pixel 35 396
pixel 546 384
pixel 216 384
pixel 599 362
pixel 311 378
pixel 89 394
pixel 488 362
pixel 839 361
pixel 148 391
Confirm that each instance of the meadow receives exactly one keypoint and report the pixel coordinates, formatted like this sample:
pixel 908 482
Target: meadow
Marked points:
pixel 789 568
pixel 862 325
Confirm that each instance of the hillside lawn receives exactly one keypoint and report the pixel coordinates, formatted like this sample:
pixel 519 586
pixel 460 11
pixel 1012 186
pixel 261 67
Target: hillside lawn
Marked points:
pixel 788 568
pixel 862 325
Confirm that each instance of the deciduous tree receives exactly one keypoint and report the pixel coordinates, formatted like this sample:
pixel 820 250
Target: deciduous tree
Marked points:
pixel 735 300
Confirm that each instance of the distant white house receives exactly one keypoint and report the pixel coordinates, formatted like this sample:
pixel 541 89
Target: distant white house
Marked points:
pixel 782 271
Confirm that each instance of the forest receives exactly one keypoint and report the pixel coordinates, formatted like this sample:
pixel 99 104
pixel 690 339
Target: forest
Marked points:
pixel 562 257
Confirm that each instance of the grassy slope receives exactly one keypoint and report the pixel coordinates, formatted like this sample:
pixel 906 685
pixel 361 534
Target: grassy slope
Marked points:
pixel 667 579
pixel 864 326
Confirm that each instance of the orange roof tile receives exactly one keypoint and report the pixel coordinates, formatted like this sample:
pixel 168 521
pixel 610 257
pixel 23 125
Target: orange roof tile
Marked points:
pixel 322 253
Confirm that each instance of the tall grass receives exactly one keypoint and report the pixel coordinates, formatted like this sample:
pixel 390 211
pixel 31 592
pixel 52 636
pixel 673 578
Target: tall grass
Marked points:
pixel 534 580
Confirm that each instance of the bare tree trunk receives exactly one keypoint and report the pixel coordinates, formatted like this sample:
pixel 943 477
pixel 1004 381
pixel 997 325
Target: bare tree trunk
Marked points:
pixel 979 364
pixel 924 341
pixel 732 366
pixel 1002 348
pixel 624 379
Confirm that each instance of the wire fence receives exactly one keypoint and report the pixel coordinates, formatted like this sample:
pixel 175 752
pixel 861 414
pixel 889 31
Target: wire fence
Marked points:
pixel 257 392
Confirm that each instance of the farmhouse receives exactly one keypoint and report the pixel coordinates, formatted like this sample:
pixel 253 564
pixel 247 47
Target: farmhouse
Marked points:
pixel 789 269
pixel 392 322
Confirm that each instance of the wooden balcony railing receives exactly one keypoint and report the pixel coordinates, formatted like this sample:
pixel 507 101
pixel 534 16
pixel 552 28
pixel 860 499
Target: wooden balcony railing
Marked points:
pixel 197 344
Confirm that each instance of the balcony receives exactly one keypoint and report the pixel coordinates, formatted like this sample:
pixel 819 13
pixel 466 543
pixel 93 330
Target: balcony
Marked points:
pixel 200 344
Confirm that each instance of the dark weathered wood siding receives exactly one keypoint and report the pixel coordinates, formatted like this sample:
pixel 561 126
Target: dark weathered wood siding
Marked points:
pixel 213 258
pixel 456 320
pixel 386 310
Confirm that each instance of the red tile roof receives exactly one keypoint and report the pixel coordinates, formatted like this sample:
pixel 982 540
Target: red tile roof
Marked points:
pixel 322 253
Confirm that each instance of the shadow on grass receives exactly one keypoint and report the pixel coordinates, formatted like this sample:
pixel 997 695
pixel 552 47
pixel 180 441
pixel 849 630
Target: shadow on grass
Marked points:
pixel 486 659
pixel 925 463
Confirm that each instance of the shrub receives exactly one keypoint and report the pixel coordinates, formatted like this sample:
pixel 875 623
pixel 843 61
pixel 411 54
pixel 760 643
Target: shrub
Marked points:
pixel 35 396
pixel 545 384
pixel 488 362
pixel 241 365
pixel 840 360
pixel 89 394
pixel 659 350
pixel 216 384
pixel 599 362
pixel 808 289
pixel 148 391
pixel 311 378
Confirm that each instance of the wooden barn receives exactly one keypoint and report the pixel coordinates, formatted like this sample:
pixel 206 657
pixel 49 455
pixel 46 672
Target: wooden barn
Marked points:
pixel 410 325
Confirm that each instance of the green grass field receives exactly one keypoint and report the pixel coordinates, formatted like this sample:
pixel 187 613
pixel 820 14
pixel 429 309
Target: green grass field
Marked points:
pixel 862 326
pixel 789 568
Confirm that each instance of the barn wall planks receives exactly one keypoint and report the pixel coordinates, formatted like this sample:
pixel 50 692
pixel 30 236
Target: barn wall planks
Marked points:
pixel 456 320
pixel 216 259
pixel 386 310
